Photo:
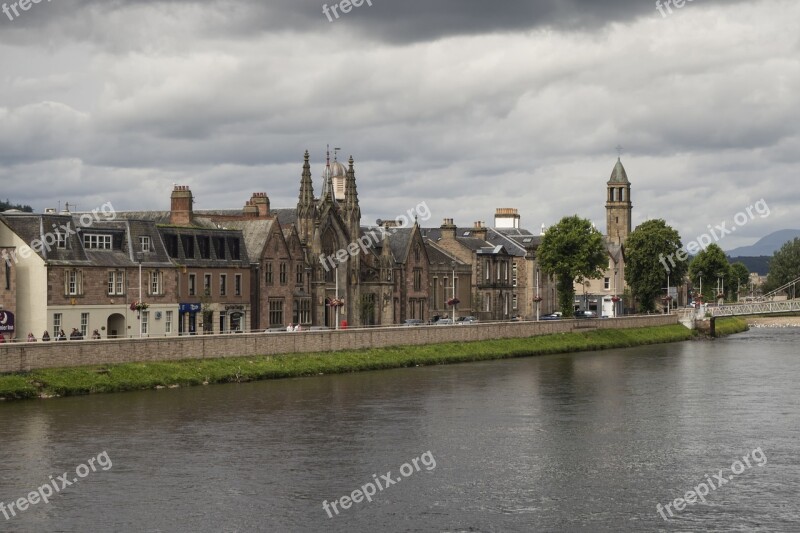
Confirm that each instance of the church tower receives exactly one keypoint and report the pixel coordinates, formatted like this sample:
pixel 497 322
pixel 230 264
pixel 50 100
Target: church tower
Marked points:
pixel 618 205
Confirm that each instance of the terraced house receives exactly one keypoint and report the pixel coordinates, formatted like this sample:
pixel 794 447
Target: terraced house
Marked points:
pixel 189 271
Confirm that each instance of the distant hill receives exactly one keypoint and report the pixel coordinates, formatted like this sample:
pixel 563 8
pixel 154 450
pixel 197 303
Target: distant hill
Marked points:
pixel 759 265
pixel 767 245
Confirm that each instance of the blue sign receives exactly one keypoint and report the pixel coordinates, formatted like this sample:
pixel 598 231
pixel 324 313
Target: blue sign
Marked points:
pixel 6 322
pixel 188 308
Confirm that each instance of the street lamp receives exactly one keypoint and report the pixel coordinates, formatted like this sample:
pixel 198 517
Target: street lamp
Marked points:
pixel 336 275
pixel 614 300
pixel 538 299
pixel 139 260
pixel 453 264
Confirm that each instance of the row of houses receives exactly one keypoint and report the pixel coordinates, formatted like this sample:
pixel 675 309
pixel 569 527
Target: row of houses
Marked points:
pixel 187 271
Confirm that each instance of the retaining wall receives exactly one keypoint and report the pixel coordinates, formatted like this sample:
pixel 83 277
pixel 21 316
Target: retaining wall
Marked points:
pixel 21 357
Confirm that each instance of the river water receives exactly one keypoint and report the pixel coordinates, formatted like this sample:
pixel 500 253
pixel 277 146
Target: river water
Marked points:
pixel 574 442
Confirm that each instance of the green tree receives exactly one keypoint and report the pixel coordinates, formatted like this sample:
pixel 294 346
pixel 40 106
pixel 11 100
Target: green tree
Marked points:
pixel 572 251
pixel 784 266
pixel 712 266
pixel 8 205
pixel 651 255
pixel 740 278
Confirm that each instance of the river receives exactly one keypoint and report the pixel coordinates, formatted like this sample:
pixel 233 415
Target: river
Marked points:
pixel 575 442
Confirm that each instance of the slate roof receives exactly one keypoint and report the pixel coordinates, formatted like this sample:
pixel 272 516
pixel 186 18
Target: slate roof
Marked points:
pixel 125 239
pixel 255 233
pixel 439 256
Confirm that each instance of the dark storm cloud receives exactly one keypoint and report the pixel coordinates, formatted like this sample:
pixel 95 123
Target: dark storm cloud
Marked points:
pixel 393 21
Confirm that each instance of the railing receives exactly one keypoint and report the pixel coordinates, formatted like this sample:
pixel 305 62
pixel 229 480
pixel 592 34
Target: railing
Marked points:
pixel 774 293
pixel 755 308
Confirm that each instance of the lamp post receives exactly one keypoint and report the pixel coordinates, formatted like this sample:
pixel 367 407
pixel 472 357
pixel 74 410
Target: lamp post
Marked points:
pixel 614 300
pixel 139 260
pixel 336 275
pixel 538 299
pixel 453 264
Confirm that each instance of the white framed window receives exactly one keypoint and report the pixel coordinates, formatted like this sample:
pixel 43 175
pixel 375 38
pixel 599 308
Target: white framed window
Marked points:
pixel 116 282
pixel 73 283
pixel 514 301
pixel 145 322
pixel 56 324
pixel 155 282
pixel 85 324
pixel 223 284
pixel 144 243
pixel 61 239
pixel 238 285
pixel 95 241
pixel 168 321
pixel 607 283
pixel 514 277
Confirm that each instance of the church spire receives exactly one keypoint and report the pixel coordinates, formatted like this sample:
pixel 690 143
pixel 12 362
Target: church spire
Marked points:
pixel 327 195
pixel 306 210
pixel 351 207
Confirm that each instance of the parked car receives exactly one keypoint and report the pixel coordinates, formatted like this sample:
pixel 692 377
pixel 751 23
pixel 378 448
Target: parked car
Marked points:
pixel 444 322
pixel 551 316
pixel 413 322
pixel 585 314
pixel 462 320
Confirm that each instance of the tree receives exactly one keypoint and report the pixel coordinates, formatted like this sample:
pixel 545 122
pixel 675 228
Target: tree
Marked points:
pixel 572 250
pixel 712 266
pixel 784 266
pixel 8 205
pixel 740 277
pixel 653 251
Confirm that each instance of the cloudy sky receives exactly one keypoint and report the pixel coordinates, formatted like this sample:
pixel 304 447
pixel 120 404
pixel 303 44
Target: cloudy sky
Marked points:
pixel 466 105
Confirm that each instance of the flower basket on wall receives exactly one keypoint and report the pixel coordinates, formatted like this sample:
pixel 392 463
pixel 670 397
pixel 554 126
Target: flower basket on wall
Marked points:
pixel 139 306
pixel 615 299
pixel 537 299
pixel 720 295
pixel 336 302
pixel 453 301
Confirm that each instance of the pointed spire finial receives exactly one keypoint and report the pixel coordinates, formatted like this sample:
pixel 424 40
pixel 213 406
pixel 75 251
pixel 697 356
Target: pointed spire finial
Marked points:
pixel 619 151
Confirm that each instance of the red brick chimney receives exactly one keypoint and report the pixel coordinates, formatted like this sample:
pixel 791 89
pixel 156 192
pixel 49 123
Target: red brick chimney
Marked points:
pixel 181 206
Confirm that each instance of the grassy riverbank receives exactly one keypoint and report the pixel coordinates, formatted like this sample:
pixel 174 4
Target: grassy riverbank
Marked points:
pixel 730 325
pixel 138 376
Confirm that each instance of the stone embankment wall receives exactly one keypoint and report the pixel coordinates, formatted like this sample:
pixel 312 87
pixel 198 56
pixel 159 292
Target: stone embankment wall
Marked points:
pixel 22 357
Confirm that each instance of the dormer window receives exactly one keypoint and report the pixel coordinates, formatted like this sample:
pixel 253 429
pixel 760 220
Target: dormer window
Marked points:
pixel 144 243
pixel 94 241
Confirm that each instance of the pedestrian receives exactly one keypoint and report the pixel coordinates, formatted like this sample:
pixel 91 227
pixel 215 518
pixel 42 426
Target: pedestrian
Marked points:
pixel 45 336
pixel 2 338
pixel 31 338
pixel 61 336
pixel 95 335
pixel 297 327
pixel 290 327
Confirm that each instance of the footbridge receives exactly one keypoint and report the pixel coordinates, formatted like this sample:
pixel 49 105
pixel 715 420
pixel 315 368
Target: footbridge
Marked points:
pixel 755 308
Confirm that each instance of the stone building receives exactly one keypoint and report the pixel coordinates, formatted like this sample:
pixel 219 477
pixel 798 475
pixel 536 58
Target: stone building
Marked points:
pixel 603 296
